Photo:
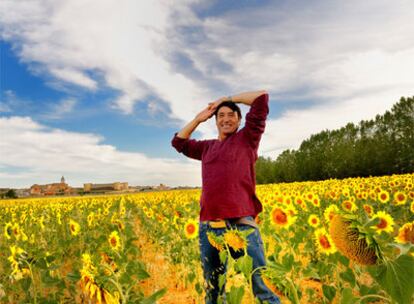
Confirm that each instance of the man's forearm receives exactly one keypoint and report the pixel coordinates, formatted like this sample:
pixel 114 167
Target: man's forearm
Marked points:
pixel 247 98
pixel 188 129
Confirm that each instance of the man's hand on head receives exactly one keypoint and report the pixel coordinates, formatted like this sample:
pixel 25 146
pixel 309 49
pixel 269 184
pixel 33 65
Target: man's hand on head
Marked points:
pixel 205 114
pixel 213 105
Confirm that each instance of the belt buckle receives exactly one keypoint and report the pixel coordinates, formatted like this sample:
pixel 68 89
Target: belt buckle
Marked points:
pixel 217 224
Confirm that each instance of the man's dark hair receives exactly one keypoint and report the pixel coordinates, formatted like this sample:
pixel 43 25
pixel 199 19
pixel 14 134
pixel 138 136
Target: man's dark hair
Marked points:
pixel 234 107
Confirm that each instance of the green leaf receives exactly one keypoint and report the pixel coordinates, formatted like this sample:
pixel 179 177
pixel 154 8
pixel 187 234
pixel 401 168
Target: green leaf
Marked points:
pixel 198 288
pixel 235 295
pixel 223 256
pixel 343 260
pixel 154 297
pixel 135 268
pixel 73 276
pixel 48 280
pixel 373 222
pixel 403 248
pixel 347 297
pixel 287 261
pixel 396 278
pixel 324 269
pixel 348 276
pixel 191 276
pixel 329 292
pixel 277 267
pixel 221 280
pixel 42 264
pixel 245 265
pixel 25 283
pixel 367 290
pixel 50 258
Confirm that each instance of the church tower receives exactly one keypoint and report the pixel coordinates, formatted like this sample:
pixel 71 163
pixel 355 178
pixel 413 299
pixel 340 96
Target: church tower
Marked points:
pixel 62 180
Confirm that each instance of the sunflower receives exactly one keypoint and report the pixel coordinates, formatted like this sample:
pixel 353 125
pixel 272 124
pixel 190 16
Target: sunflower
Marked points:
pixel 330 212
pixel 383 196
pixel 8 231
pixel 74 228
pixel 122 209
pixel 109 298
pixel 346 192
pixel 16 252
pixel 281 217
pixel 386 222
pixel 400 198
pixel 287 200
pixel 114 240
pixel 59 217
pixel 373 195
pixel 412 207
pixel 368 209
pixel 324 242
pixel 235 240
pixel 299 201
pixel 215 241
pixel 42 223
pixel 406 234
pixel 91 217
pixel 191 229
pixel 109 264
pixel 350 242
pixel 316 201
pixel 309 196
pixel 15 259
pixel 349 206
pixel 313 220
pixel 16 231
pixel 87 260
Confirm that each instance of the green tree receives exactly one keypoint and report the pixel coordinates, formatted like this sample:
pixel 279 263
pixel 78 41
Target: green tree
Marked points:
pixel 380 146
pixel 10 194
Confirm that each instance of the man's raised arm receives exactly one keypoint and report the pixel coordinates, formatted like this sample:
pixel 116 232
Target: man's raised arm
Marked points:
pixel 245 98
pixel 189 128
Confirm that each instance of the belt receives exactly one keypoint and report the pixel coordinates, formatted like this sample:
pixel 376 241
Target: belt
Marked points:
pixel 226 223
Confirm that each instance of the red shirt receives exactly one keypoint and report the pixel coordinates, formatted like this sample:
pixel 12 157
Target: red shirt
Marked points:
pixel 228 174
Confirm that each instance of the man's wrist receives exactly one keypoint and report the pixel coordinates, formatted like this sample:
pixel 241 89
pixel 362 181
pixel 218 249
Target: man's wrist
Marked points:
pixel 228 98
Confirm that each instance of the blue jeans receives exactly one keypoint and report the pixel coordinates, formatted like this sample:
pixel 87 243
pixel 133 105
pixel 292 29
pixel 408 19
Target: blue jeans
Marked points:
pixel 212 267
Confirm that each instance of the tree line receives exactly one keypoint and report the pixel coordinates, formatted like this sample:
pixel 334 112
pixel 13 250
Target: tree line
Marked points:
pixel 380 146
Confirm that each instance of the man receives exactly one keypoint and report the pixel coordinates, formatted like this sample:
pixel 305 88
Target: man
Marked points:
pixel 228 198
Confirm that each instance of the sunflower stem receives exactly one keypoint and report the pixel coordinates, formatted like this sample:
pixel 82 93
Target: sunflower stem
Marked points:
pixel 123 299
pixel 293 290
pixel 374 296
pixel 33 283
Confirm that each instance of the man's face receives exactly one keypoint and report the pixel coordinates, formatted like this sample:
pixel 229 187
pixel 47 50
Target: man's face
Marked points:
pixel 227 121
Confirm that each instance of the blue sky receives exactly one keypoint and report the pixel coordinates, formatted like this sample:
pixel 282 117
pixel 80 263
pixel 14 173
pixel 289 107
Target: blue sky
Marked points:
pixel 94 90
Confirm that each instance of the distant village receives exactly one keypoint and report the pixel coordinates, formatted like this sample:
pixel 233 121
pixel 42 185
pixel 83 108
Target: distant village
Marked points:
pixel 62 188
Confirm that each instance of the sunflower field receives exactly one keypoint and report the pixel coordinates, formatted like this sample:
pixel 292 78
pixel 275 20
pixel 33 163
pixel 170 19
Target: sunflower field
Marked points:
pixel 333 241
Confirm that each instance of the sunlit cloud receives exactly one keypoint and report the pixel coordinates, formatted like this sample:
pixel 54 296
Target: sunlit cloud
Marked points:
pixel 44 154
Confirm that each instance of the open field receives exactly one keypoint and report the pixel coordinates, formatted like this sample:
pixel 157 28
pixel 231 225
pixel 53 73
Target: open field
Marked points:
pixel 334 241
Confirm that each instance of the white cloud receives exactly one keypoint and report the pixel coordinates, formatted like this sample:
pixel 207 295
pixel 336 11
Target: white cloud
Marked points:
pixel 346 60
pixel 74 77
pixel 288 131
pixel 4 107
pixel 61 109
pixel 124 41
pixel 350 60
pixel 43 154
